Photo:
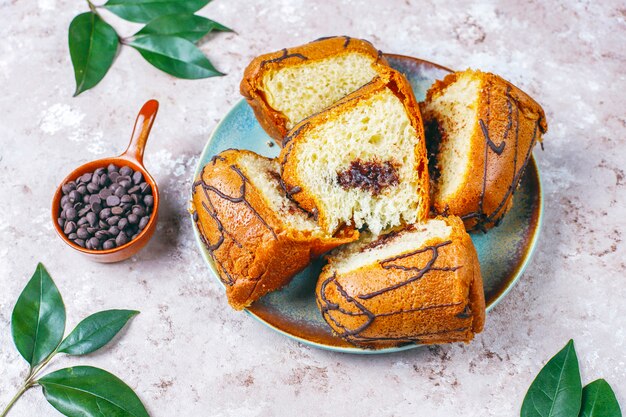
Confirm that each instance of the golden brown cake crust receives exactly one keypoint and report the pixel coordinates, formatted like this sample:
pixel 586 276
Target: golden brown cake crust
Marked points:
pixel 427 296
pixel 254 252
pixel 510 124
pixel 401 87
pixel 272 121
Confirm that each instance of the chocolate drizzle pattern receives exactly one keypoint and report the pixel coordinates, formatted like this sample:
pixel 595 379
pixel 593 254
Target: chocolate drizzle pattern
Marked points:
pixel 419 272
pixel 481 217
pixel 210 209
pixel 329 308
pixel 285 55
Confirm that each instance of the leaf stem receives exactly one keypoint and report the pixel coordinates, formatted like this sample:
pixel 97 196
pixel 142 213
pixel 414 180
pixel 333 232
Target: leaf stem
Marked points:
pixel 27 384
pixel 92 7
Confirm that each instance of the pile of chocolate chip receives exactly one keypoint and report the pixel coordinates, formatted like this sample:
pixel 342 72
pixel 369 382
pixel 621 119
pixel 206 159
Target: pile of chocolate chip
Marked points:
pixel 106 208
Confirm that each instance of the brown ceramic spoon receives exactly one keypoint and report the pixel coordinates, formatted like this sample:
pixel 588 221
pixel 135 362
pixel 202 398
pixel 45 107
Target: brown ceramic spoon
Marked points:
pixel 132 157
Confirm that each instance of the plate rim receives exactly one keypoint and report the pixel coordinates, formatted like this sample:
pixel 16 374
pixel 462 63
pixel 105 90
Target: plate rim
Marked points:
pixel 529 253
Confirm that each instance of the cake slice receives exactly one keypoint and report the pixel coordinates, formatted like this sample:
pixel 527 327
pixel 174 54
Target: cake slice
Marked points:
pixel 363 160
pixel 421 284
pixel 258 238
pixel 481 131
pixel 287 86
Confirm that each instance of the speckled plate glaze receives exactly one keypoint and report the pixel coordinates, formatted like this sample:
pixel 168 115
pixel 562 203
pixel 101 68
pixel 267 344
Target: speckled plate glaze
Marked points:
pixel 503 252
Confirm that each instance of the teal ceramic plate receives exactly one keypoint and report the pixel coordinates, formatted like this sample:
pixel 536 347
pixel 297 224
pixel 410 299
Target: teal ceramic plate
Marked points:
pixel 503 252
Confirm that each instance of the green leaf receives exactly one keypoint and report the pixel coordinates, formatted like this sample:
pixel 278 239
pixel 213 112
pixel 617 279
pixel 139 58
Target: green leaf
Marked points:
pixel 176 56
pixel 143 11
pixel 95 331
pixel 599 400
pixel 557 390
pixel 84 391
pixel 187 26
pixel 93 45
pixel 38 319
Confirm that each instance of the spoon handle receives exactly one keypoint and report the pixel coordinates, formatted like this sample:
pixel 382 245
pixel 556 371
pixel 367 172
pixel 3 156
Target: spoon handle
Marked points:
pixel 141 130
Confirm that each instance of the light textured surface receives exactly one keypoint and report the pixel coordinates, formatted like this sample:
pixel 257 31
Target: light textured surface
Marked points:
pixel 188 353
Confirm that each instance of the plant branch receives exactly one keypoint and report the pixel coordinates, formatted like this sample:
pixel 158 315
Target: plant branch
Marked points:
pixel 27 384
pixel 38 368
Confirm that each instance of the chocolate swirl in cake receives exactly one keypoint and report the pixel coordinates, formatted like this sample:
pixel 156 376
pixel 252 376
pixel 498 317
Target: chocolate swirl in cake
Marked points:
pixel 328 307
pixel 371 176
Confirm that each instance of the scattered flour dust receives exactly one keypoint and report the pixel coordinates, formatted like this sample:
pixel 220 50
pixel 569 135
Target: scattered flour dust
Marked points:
pixel 59 116
pixel 95 138
pixel 47 5
pixel 166 163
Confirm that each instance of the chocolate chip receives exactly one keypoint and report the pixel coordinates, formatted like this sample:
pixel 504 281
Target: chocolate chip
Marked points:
pixel 133 219
pixel 113 220
pixel 117 210
pixel 139 211
pixel 102 224
pixel 126 170
pixel 80 242
pixel 145 188
pixel 72 236
pixel 105 213
pixel 114 230
pixel 121 239
pixel 120 191
pixel 91 218
pixel 123 223
pixel 113 200
pixel 126 199
pixel 103 180
pixel 82 189
pixel 137 177
pixel 94 198
pixel 102 234
pixel 149 200
pixel 114 176
pixel 112 168
pixel 82 212
pixel 104 193
pixel 92 230
pixel 96 208
pixel 70 213
pixel 82 221
pixel 70 227
pixel 86 177
pixel 99 172
pixel 92 188
pixel 109 244
pixel 74 196
pixel 82 233
pixel 93 242
pixel 144 222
